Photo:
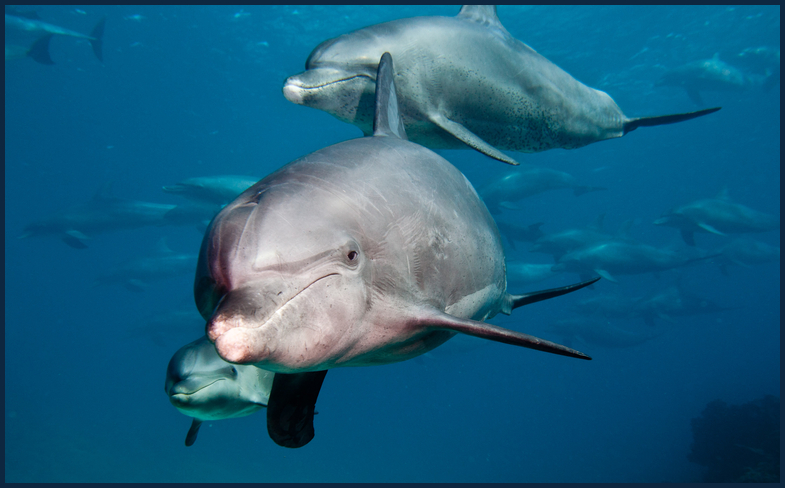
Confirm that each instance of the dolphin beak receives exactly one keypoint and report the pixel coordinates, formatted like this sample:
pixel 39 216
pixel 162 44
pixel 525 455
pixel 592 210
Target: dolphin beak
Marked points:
pixel 293 90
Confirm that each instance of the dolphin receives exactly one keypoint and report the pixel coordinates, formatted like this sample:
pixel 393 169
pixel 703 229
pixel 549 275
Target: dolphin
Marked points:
pixel 706 75
pixel 514 232
pixel 526 181
pixel 607 306
pixel 463 82
pixel 104 213
pixel 202 385
pixel 600 333
pixel 746 252
pixel 621 256
pixel 218 190
pixel 367 252
pixel 559 243
pixel 674 301
pixel 717 215
pixel 520 275
pixel 26 35
pixel 162 264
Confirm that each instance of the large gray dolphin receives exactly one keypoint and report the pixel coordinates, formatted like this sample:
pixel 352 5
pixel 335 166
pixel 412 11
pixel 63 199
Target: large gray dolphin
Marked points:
pixel 367 252
pixel 28 36
pixel 526 181
pixel 717 215
pixel 463 82
pixel 202 385
pixel 104 213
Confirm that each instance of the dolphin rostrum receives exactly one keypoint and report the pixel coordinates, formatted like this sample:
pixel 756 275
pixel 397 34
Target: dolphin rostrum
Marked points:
pixel 26 35
pixel 202 385
pixel 463 82
pixel 367 252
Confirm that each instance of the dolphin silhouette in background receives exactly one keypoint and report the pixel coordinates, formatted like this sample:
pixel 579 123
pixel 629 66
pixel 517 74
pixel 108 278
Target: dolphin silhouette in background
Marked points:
pixel 75 225
pixel 161 264
pixel 217 190
pixel 718 215
pixel 367 252
pixel 463 81
pixel 26 35
pixel 706 75
pixel 526 181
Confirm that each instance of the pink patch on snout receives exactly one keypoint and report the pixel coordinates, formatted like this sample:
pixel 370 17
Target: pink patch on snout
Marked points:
pixel 240 346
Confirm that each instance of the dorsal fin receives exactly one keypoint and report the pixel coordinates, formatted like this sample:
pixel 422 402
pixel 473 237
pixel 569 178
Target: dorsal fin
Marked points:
pixel 387 119
pixel 723 194
pixel 482 14
pixel 597 224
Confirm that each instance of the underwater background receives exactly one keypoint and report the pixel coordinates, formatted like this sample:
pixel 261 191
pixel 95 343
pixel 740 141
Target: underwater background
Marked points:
pixel 196 91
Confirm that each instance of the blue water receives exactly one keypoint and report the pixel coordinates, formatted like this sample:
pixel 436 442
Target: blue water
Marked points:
pixel 196 91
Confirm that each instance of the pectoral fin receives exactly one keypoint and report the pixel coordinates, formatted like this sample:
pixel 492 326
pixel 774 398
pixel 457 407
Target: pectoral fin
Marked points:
pixel 606 275
pixel 710 229
pixel 75 239
pixel 291 407
pixel 190 438
pixel 438 320
pixel 470 139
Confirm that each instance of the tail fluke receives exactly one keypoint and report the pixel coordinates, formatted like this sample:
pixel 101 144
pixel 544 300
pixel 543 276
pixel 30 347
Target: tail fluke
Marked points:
pixel 632 124
pixel 97 42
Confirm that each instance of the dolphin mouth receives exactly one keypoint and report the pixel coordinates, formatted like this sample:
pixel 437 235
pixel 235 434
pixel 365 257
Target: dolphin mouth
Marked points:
pixel 295 88
pixel 217 328
pixel 299 84
pixel 184 396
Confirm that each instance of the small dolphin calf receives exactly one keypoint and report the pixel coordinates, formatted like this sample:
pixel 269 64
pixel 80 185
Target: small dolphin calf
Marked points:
pixel 202 385
pixel 719 216
pixel 368 252
pixel 463 82
pixel 28 36
pixel 526 181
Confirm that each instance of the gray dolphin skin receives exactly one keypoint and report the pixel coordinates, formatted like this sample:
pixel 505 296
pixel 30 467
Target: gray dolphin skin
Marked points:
pixel 706 75
pixel 367 252
pixel 161 264
pixel 104 213
pixel 28 36
pixel 526 181
pixel 719 216
pixel 463 82
pixel 218 190
pixel 202 385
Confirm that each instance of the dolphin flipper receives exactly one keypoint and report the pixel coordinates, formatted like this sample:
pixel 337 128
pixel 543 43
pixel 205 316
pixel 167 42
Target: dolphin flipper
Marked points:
pixel 439 320
pixel 39 51
pixel 632 124
pixel 97 42
pixel 537 296
pixel 75 239
pixel 291 407
pixel 190 438
pixel 710 229
pixel 688 236
pixel 469 138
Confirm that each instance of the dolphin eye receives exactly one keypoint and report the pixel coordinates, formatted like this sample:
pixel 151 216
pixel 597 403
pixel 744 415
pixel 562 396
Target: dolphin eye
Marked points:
pixel 352 255
pixel 234 371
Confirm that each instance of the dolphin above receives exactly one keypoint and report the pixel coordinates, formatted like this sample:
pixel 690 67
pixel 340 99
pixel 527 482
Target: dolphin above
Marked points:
pixel 202 385
pixel 367 252
pixel 463 81
pixel 28 36
pixel 719 216
pixel 218 190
